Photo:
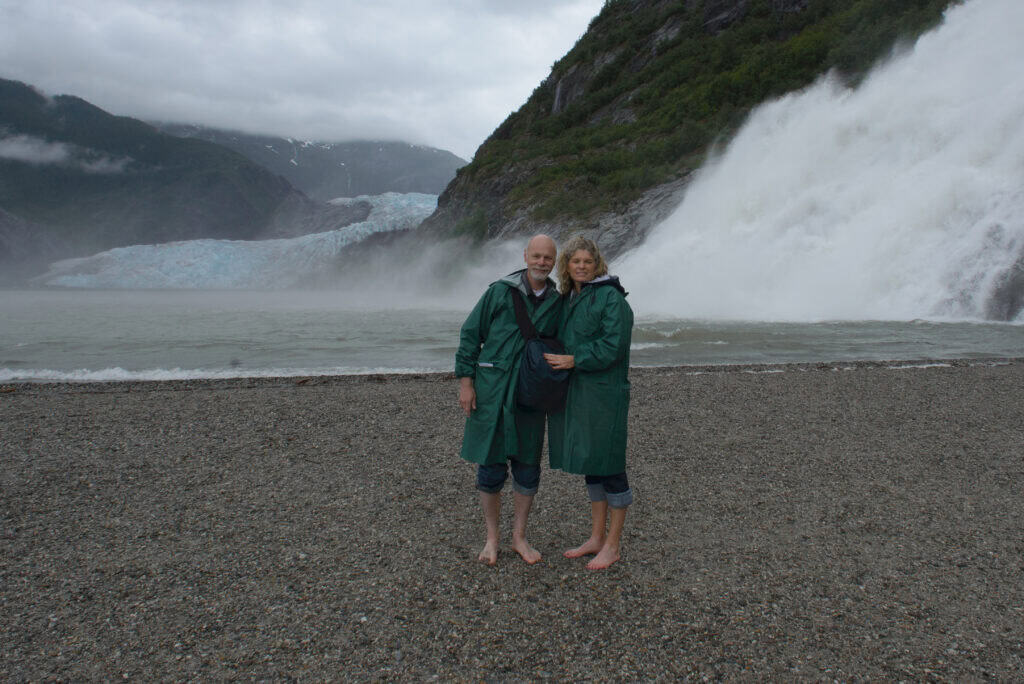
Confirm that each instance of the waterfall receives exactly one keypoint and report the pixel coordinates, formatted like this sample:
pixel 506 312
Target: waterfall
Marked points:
pixel 900 200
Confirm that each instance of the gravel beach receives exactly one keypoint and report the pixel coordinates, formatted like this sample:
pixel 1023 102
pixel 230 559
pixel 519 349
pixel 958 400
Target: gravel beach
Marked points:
pixel 800 522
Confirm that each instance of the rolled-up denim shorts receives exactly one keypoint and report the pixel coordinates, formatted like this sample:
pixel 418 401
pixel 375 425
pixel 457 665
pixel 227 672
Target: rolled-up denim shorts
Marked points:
pixel 611 488
pixel 525 478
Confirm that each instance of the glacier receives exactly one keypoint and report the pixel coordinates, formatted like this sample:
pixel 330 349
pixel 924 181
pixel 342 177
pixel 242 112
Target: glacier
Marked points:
pixel 237 264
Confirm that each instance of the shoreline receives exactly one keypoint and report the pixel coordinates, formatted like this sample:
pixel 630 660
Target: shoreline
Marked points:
pixel 261 380
pixel 794 521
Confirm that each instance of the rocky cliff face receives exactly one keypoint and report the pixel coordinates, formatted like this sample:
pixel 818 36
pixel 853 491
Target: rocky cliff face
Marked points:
pixel 607 143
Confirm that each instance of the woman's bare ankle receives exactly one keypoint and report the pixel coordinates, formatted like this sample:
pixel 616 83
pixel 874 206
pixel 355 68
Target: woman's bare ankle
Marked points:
pixel 605 557
pixel 592 545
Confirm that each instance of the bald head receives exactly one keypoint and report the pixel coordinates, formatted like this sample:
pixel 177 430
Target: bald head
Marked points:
pixel 539 256
pixel 541 241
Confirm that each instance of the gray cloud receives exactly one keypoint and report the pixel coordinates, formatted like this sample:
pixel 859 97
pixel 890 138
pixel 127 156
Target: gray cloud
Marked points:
pixel 41 152
pixel 31 150
pixel 437 72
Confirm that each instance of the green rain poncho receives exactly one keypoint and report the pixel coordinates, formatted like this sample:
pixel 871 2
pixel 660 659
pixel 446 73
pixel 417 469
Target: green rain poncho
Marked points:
pixel 589 436
pixel 490 348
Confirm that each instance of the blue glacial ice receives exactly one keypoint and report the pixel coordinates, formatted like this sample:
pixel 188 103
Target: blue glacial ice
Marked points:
pixel 237 264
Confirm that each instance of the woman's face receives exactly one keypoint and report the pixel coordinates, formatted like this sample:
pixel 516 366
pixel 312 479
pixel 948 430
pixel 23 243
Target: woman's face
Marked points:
pixel 582 266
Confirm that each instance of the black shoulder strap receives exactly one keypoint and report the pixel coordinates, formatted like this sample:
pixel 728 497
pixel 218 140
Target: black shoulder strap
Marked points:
pixel 526 326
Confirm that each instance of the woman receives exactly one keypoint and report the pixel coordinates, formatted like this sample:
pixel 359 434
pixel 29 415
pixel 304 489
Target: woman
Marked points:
pixel 589 436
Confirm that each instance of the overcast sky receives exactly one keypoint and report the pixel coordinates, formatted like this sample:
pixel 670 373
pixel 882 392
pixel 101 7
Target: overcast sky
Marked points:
pixel 442 73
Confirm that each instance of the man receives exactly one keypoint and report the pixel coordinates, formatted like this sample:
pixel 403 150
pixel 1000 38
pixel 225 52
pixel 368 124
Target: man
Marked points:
pixel 498 433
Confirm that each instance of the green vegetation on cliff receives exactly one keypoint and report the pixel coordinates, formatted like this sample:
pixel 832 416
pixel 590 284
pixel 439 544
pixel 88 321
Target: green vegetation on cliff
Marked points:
pixel 639 99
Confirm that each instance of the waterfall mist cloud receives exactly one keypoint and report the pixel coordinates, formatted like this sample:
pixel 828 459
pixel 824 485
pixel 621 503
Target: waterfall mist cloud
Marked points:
pixel 903 199
pixel 426 274
pixel 438 73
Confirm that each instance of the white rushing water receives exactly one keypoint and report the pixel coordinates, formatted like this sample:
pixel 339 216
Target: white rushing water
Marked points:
pixel 900 200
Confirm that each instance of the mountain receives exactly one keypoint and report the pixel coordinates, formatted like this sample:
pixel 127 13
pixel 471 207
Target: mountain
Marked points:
pixel 75 180
pixel 608 142
pixel 325 171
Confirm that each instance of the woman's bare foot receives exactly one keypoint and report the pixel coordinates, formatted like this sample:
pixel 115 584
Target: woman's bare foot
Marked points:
pixel 490 554
pixel 592 545
pixel 602 560
pixel 523 548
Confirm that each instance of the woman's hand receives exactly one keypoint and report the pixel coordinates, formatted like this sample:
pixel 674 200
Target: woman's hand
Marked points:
pixel 467 395
pixel 561 361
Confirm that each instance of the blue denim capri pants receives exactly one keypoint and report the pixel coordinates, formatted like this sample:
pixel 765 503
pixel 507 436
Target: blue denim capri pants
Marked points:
pixel 611 488
pixel 525 478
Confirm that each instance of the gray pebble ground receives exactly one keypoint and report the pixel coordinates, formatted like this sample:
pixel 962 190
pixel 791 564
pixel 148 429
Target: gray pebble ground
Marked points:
pixel 852 522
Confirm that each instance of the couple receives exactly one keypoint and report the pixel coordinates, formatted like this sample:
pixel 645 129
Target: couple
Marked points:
pixel 588 437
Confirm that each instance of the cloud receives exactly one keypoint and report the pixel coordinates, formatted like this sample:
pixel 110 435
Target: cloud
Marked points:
pixel 24 148
pixel 435 72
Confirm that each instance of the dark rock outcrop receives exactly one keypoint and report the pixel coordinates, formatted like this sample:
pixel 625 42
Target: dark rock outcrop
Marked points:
pixel 298 215
pixel 1007 299
pixel 616 232
pixel 719 14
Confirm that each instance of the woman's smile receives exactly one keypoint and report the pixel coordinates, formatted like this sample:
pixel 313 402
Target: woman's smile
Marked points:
pixel 582 266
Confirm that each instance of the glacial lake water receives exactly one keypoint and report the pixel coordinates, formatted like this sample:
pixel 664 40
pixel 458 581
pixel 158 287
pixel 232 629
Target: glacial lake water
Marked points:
pixel 97 335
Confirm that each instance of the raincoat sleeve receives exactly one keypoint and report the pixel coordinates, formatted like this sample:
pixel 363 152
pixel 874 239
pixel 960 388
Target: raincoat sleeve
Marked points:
pixel 472 335
pixel 611 346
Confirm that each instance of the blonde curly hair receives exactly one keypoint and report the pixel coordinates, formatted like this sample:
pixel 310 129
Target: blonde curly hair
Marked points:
pixel 570 247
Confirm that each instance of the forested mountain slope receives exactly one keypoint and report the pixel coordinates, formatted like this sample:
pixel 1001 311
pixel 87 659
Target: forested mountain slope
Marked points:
pixel 609 139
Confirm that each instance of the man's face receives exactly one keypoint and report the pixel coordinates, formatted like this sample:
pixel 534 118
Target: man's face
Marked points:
pixel 540 259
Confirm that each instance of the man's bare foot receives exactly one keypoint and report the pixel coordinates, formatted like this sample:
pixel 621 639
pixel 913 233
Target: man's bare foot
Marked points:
pixel 489 555
pixel 523 548
pixel 590 546
pixel 602 560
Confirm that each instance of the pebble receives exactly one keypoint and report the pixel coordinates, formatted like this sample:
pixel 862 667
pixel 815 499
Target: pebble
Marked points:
pixel 855 525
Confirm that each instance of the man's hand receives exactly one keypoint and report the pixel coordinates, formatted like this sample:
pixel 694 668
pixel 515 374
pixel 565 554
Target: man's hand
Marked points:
pixel 561 361
pixel 467 395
